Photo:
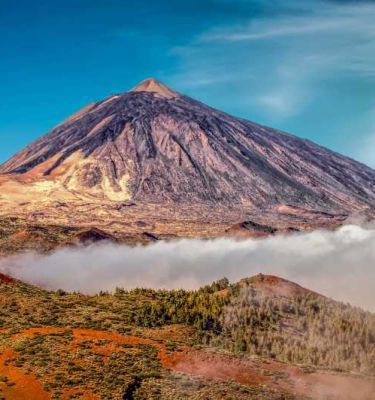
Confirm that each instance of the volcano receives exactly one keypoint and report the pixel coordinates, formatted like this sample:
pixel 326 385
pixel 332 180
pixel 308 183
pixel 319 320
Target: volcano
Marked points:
pixel 152 145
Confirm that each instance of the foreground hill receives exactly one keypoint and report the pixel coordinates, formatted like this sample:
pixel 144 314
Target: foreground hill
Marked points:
pixel 262 338
pixel 157 160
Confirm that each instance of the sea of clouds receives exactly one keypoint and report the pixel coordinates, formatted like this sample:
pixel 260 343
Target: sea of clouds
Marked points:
pixel 339 264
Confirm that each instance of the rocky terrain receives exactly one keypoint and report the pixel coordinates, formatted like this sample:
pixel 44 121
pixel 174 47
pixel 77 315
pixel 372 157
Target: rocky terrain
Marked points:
pixel 153 160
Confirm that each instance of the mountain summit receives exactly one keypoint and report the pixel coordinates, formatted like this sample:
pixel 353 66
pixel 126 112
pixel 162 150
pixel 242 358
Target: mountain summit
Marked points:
pixel 154 145
pixel 152 85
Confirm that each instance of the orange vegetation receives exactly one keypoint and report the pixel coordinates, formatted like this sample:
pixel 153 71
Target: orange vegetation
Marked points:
pixel 204 364
pixel 26 387
pixel 85 396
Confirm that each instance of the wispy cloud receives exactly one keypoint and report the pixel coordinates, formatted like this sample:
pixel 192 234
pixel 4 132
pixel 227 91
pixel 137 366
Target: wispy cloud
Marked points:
pixel 290 26
pixel 291 63
pixel 341 31
pixel 309 41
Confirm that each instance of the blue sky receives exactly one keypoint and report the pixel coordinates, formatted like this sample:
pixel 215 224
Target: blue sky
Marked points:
pixel 306 67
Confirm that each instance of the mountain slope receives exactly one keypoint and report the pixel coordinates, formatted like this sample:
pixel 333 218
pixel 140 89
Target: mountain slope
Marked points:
pixel 154 145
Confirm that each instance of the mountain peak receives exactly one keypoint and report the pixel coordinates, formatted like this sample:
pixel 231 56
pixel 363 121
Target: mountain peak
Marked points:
pixel 152 85
pixel 157 145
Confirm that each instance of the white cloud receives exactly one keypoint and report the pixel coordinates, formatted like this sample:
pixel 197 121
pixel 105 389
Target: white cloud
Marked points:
pixel 339 264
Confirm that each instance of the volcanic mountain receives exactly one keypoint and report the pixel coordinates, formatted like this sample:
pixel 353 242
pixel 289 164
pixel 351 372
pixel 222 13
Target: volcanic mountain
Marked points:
pixel 152 145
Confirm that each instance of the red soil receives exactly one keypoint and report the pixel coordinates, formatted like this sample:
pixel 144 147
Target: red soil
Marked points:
pixel 25 387
pixel 5 279
pixel 213 366
pixel 273 285
pixel 28 333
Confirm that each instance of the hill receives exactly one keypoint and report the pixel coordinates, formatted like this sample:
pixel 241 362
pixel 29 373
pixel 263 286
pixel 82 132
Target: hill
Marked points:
pixel 221 341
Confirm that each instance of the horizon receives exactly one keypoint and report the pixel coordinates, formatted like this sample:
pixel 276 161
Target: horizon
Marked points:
pixel 306 69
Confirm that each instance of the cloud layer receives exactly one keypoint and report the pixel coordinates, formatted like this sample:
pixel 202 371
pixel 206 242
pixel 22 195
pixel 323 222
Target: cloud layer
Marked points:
pixel 338 264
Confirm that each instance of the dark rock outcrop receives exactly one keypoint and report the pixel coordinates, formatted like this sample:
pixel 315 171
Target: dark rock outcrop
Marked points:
pixel 93 235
